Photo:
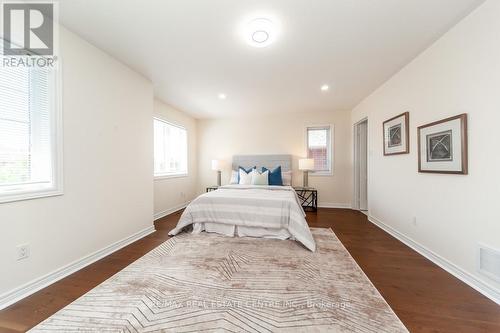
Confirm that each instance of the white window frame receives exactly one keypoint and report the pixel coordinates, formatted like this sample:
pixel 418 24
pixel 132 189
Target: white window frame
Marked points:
pixel 330 151
pixel 19 192
pixel 177 174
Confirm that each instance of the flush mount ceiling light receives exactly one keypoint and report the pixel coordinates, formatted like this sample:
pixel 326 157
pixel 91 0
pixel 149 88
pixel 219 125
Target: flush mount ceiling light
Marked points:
pixel 325 87
pixel 260 32
pixel 222 96
pixel 260 36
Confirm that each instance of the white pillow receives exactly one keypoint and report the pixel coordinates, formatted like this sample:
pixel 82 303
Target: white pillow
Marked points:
pixel 286 176
pixel 246 178
pixel 234 177
pixel 260 178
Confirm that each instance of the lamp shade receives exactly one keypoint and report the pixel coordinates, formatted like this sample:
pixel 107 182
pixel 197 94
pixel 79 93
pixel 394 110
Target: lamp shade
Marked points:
pixel 216 165
pixel 306 164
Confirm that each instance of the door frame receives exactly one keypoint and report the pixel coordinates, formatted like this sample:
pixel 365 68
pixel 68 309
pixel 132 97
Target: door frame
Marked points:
pixel 356 192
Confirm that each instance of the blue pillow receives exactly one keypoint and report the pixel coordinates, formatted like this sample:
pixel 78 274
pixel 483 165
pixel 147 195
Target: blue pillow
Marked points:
pixel 274 176
pixel 247 171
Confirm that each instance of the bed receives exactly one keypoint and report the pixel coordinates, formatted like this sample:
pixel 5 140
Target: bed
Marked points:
pixel 263 211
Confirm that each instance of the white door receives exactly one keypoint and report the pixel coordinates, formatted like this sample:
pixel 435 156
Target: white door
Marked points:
pixel 363 165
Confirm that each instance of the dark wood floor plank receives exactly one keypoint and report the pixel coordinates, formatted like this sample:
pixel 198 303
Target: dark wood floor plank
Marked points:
pixel 425 297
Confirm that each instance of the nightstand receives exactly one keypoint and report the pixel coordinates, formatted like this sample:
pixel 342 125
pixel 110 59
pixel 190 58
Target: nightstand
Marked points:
pixel 212 188
pixel 308 197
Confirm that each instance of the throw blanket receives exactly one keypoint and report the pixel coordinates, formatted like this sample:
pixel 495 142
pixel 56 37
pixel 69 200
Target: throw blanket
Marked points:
pixel 250 206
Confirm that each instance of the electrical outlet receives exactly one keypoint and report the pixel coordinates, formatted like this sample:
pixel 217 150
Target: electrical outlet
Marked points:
pixel 23 251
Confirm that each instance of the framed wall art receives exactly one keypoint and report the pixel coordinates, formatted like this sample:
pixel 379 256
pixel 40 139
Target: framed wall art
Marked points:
pixel 442 146
pixel 396 135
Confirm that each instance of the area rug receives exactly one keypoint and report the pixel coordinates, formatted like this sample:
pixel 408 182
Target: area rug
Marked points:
pixel 212 283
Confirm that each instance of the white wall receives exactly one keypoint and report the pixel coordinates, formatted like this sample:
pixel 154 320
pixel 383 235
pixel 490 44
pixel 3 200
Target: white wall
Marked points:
pixel 108 169
pixel 277 134
pixel 171 194
pixel 459 73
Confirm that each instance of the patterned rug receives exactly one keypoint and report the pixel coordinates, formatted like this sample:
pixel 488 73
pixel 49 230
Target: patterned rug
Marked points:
pixel 213 283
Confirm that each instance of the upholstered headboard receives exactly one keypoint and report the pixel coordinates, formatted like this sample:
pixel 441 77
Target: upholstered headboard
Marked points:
pixel 268 161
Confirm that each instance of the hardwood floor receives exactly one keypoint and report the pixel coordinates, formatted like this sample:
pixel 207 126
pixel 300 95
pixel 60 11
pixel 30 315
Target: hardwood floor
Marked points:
pixel 425 297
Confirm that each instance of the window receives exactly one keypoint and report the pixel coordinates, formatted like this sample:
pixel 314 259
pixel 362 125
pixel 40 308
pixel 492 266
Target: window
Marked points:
pixel 170 149
pixel 319 148
pixel 29 136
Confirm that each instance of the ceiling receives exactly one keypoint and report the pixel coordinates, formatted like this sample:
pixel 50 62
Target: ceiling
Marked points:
pixel 192 49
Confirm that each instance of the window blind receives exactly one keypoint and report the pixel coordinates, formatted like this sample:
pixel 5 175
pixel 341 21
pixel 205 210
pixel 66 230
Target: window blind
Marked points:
pixel 170 149
pixel 319 148
pixel 26 110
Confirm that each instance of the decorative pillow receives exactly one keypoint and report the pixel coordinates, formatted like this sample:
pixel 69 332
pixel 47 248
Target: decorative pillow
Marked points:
pixel 260 178
pixel 245 178
pixel 274 176
pixel 246 171
pixel 234 177
pixel 286 176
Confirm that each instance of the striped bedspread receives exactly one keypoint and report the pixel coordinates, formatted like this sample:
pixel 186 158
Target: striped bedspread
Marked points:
pixel 250 206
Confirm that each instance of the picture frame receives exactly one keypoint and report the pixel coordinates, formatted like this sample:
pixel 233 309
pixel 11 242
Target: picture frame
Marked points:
pixel 396 135
pixel 443 146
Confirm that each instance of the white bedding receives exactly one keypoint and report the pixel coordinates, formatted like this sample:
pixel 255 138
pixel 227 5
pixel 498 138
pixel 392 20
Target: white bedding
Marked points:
pixel 248 210
pixel 241 231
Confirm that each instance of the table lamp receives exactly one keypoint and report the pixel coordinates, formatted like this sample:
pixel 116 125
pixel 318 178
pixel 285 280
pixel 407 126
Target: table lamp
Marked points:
pixel 216 166
pixel 306 165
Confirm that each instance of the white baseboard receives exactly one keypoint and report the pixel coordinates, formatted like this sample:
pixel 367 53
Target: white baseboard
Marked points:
pixel 483 287
pixel 169 211
pixel 33 286
pixel 334 205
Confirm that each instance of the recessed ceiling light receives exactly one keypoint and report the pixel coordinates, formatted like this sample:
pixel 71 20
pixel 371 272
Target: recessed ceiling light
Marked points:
pixel 222 96
pixel 260 32
pixel 325 87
